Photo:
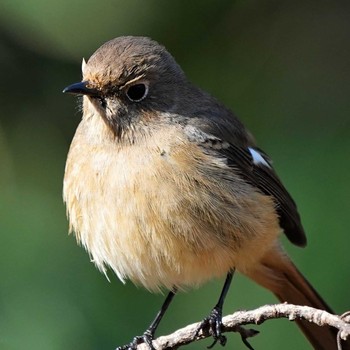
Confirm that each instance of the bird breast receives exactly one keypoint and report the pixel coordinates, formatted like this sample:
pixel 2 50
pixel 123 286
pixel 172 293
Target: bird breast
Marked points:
pixel 159 211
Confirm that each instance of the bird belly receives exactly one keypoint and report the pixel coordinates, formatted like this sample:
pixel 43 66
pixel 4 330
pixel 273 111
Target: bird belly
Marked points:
pixel 165 216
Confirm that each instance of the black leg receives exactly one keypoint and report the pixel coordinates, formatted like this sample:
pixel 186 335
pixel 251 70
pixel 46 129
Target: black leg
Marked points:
pixel 148 335
pixel 214 320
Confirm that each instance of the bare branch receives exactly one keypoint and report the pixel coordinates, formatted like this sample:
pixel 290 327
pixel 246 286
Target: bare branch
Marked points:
pixel 234 322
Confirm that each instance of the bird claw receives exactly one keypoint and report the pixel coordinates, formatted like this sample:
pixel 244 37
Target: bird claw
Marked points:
pixel 213 324
pixel 146 338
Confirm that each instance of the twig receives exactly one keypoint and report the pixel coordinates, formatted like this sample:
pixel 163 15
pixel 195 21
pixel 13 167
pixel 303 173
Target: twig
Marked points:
pixel 234 322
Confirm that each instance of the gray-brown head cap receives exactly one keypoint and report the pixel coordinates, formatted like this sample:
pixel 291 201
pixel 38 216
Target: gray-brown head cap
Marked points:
pixel 124 58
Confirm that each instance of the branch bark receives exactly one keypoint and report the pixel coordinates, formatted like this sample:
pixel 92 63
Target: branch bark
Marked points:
pixel 234 322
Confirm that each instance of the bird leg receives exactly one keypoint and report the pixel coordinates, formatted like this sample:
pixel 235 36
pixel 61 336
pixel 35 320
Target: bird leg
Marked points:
pixel 214 321
pixel 148 336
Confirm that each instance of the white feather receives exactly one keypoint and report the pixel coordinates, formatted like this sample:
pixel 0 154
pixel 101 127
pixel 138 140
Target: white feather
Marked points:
pixel 83 65
pixel 258 159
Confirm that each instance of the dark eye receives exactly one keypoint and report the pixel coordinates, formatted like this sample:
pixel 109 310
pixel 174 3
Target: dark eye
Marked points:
pixel 137 92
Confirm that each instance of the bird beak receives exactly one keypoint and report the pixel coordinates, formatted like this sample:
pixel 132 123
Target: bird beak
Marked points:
pixel 81 88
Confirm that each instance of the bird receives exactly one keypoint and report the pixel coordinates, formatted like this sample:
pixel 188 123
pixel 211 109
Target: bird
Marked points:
pixel 166 187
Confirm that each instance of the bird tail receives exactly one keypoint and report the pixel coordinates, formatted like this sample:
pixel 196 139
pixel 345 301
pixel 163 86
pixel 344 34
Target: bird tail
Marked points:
pixel 277 273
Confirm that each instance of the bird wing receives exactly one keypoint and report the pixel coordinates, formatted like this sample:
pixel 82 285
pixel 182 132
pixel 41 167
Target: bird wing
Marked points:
pixel 254 166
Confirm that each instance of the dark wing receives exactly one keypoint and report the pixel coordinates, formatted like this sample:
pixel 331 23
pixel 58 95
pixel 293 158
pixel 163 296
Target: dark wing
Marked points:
pixel 254 166
pixel 251 164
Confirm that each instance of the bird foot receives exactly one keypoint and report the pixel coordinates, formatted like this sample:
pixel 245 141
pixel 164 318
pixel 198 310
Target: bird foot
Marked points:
pixel 146 338
pixel 213 325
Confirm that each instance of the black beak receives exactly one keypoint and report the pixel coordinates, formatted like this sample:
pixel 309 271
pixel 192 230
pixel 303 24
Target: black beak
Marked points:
pixel 80 89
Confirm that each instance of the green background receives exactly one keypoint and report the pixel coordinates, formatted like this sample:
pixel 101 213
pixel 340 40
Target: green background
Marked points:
pixel 282 66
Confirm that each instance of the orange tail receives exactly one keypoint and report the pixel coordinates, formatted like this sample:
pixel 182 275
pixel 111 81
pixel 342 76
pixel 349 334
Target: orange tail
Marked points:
pixel 278 274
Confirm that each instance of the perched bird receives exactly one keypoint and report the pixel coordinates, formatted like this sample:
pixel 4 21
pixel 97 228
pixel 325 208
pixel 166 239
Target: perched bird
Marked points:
pixel 166 187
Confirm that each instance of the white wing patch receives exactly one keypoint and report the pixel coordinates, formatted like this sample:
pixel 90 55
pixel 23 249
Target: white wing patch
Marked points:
pixel 258 159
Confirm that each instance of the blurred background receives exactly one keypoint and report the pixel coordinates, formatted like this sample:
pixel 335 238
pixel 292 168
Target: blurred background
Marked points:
pixel 282 66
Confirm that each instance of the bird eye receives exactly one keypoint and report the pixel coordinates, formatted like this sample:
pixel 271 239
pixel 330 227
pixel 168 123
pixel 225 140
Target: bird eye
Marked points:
pixel 137 92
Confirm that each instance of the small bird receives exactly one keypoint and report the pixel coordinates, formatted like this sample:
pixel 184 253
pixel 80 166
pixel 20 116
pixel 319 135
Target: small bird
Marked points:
pixel 166 187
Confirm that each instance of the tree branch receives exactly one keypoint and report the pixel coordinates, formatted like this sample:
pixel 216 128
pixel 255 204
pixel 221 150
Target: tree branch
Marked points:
pixel 234 322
